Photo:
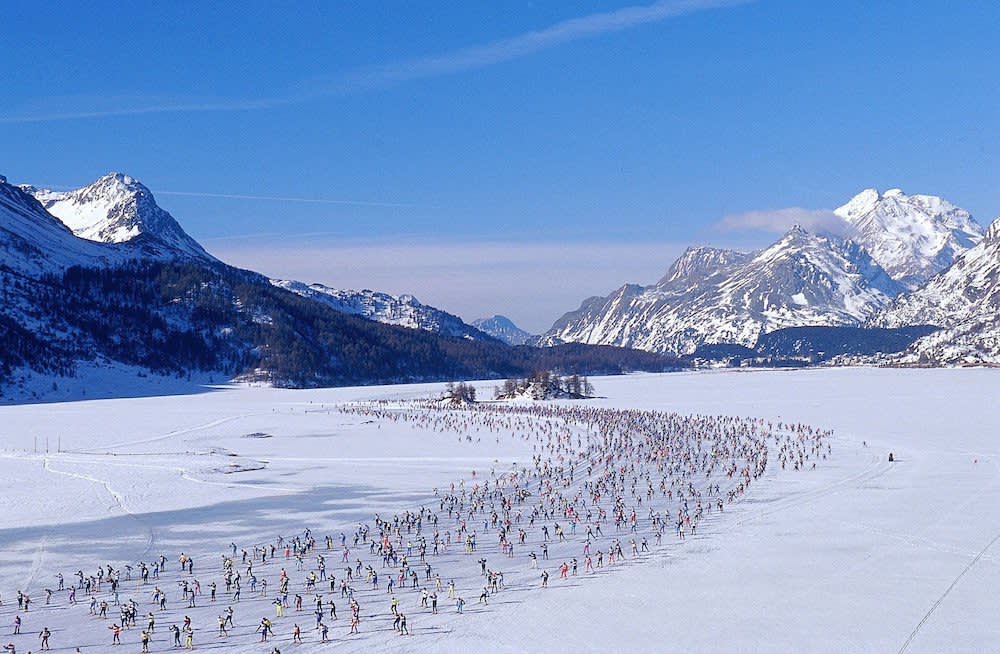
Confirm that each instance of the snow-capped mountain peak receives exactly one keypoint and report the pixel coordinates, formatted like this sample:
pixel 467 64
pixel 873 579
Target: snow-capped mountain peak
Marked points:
pixel 117 208
pixel 801 280
pixel 861 204
pixel 912 236
pixel 34 242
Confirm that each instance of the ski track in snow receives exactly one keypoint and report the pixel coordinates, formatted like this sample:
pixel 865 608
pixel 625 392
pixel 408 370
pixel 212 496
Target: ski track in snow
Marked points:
pixel 107 459
pixel 944 595
pixel 799 498
pixel 119 500
pixel 920 541
pixel 115 495
pixel 37 561
pixel 172 434
pixel 977 556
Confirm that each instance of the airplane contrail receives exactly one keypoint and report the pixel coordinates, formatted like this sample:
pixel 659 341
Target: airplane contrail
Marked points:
pixel 448 63
pixel 275 198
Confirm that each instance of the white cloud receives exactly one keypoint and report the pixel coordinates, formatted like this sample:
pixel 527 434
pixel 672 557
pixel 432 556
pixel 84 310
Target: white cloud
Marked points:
pixel 532 284
pixel 781 220
pixel 374 77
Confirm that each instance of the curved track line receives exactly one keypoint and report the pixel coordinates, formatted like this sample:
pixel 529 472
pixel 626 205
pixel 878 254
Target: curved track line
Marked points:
pixel 184 473
pixel 118 498
pixel 172 434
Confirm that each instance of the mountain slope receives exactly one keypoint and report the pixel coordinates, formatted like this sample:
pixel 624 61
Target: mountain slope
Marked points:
pixel 713 296
pixel 76 308
pixel 118 209
pixel 401 310
pixel 964 300
pixel 504 329
pixel 698 264
pixel 35 246
pixel 913 237
pixel 33 242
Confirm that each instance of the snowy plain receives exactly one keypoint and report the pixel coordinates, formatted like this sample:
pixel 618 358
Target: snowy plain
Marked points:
pixel 858 555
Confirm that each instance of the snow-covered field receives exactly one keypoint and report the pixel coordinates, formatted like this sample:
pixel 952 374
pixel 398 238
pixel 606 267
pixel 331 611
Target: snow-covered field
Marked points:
pixel 858 555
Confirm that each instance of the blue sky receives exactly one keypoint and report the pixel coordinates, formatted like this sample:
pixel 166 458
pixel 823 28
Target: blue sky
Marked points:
pixel 508 157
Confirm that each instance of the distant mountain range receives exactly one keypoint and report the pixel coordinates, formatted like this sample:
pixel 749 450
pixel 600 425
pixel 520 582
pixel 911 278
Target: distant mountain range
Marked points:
pixel 899 261
pixel 803 279
pixel 103 279
pixel 503 328
pixel 400 310
pixel 102 282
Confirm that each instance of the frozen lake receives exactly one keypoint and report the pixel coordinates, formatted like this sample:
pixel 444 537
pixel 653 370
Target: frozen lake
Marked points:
pixel 858 555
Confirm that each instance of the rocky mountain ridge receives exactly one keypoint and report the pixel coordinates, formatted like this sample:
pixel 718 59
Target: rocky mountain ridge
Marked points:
pixel 717 296
pixel 900 261
pixel 117 208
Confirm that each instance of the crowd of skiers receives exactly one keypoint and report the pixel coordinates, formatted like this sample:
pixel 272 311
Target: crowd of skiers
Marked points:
pixel 603 487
